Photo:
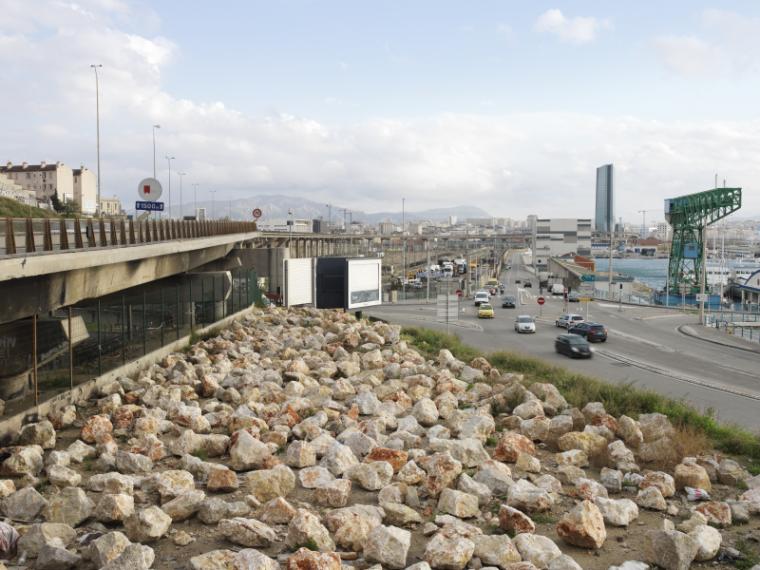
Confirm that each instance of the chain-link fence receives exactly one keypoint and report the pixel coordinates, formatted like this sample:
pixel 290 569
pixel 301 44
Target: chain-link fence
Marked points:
pixel 45 355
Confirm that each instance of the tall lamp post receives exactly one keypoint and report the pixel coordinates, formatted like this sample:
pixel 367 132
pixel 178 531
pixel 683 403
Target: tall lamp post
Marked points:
pixel 181 212
pixel 95 67
pixel 213 203
pixel 169 185
pixel 403 246
pixel 195 199
pixel 154 149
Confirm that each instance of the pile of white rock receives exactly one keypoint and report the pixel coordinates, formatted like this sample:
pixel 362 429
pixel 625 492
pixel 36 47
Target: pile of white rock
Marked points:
pixel 306 439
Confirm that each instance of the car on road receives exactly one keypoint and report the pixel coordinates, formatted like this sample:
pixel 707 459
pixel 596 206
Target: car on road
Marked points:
pixel 492 282
pixel 527 284
pixel 481 297
pixel 592 332
pixel 573 346
pixel 509 302
pixel 573 297
pixel 557 289
pixel 525 324
pixel 517 281
pixel 568 320
pixel 485 311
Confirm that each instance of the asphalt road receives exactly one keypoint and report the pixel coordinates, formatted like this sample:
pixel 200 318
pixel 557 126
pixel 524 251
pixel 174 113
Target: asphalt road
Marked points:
pixel 644 347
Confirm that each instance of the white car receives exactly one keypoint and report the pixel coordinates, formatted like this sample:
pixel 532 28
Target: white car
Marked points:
pixel 569 320
pixel 525 324
pixel 481 297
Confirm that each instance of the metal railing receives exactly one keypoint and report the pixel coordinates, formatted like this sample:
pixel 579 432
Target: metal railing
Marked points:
pixel 30 235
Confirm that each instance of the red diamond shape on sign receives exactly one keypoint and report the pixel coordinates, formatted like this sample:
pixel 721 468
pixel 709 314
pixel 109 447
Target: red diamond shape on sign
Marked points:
pixel 146 189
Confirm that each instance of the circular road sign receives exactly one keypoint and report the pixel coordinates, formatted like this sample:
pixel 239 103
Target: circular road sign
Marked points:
pixel 459 293
pixel 257 213
pixel 149 189
pixel 541 300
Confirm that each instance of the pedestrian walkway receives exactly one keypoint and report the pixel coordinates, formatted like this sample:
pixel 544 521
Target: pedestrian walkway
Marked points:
pixel 717 336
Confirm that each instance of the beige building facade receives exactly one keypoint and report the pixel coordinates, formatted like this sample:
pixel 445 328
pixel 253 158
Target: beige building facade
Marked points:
pixel 110 207
pixel 43 179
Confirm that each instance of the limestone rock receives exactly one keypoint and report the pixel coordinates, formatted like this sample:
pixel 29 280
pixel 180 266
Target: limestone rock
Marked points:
pixel 449 552
pixel 583 526
pixel 536 549
pixel 514 520
pixel 24 505
pixel 305 528
pixel 388 545
pixel 459 504
pixel 247 532
pixel 71 506
pixel 708 539
pixel 670 549
pixel 107 547
pixel 147 525
pixel 39 535
pixel 496 550
pixel 617 512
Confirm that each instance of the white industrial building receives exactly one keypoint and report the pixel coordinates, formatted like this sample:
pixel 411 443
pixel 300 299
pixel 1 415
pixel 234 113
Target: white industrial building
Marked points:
pixel 9 189
pixel 557 237
pixel 86 190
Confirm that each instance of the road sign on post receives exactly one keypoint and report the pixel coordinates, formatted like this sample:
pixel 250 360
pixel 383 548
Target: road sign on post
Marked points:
pixel 541 301
pixel 149 206
pixel 149 189
pixel 256 213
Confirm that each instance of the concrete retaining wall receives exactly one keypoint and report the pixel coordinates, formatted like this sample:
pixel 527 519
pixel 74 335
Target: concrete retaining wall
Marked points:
pixel 10 427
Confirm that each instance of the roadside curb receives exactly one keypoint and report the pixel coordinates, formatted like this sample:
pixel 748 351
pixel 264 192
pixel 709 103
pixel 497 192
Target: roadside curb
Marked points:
pixel 686 330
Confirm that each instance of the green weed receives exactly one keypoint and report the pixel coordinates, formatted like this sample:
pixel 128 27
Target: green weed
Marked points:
pixel 618 399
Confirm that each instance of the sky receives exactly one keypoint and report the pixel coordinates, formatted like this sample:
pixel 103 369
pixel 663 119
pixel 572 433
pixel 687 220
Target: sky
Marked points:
pixel 507 105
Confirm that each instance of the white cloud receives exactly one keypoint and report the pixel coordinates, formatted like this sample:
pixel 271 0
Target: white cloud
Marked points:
pixel 510 164
pixel 727 43
pixel 577 30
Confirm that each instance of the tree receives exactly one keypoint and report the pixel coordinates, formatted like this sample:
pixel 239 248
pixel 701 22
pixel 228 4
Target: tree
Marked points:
pixel 55 201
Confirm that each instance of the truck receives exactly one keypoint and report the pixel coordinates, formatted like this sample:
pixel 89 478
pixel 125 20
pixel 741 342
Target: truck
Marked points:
pixel 557 289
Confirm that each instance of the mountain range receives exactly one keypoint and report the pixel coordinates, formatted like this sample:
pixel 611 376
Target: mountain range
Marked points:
pixel 276 207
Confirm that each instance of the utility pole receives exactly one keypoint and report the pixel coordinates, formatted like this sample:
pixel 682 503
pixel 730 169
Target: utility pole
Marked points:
pixel 169 185
pixel 195 199
pixel 345 211
pixel 612 236
pixel 181 211
pixel 154 149
pixel 213 203
pixel 403 246
pixel 427 271
pixel 95 68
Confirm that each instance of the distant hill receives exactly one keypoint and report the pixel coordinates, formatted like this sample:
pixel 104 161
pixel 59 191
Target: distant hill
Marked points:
pixel 275 207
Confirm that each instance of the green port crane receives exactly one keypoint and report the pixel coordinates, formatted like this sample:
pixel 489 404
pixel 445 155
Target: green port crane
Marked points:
pixel 689 215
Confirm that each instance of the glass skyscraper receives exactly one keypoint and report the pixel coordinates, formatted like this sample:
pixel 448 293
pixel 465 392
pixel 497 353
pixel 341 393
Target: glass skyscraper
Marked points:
pixel 604 214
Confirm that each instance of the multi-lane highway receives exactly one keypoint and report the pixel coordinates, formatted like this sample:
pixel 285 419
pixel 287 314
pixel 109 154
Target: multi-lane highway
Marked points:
pixel 644 348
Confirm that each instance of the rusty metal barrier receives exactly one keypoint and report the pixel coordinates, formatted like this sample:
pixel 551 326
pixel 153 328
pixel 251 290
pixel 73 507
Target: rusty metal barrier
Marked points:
pixel 44 235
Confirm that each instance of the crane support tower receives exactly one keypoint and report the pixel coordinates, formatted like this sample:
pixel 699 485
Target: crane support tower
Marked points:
pixel 689 215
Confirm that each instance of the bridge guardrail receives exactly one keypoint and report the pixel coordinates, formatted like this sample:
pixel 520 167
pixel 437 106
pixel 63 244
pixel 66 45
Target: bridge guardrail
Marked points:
pixel 33 235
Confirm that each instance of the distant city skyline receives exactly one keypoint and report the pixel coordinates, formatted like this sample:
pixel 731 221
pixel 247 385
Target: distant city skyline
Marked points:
pixel 508 106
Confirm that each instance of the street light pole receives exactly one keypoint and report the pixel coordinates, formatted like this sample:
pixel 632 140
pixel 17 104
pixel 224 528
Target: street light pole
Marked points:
pixel 403 246
pixel 169 185
pixel 181 212
pixel 213 204
pixel 97 125
pixel 154 149
pixel 195 199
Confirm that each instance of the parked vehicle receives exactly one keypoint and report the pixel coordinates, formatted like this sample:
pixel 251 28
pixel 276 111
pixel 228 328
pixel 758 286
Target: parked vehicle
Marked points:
pixel 573 346
pixel 485 311
pixel 481 297
pixel 568 320
pixel 509 302
pixel 527 284
pixel 573 297
pixel 525 324
pixel 517 281
pixel 592 332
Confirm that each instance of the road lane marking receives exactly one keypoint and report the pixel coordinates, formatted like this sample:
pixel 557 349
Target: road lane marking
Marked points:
pixel 678 376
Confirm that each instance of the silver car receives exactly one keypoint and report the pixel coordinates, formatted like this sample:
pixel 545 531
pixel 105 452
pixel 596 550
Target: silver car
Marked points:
pixel 525 324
